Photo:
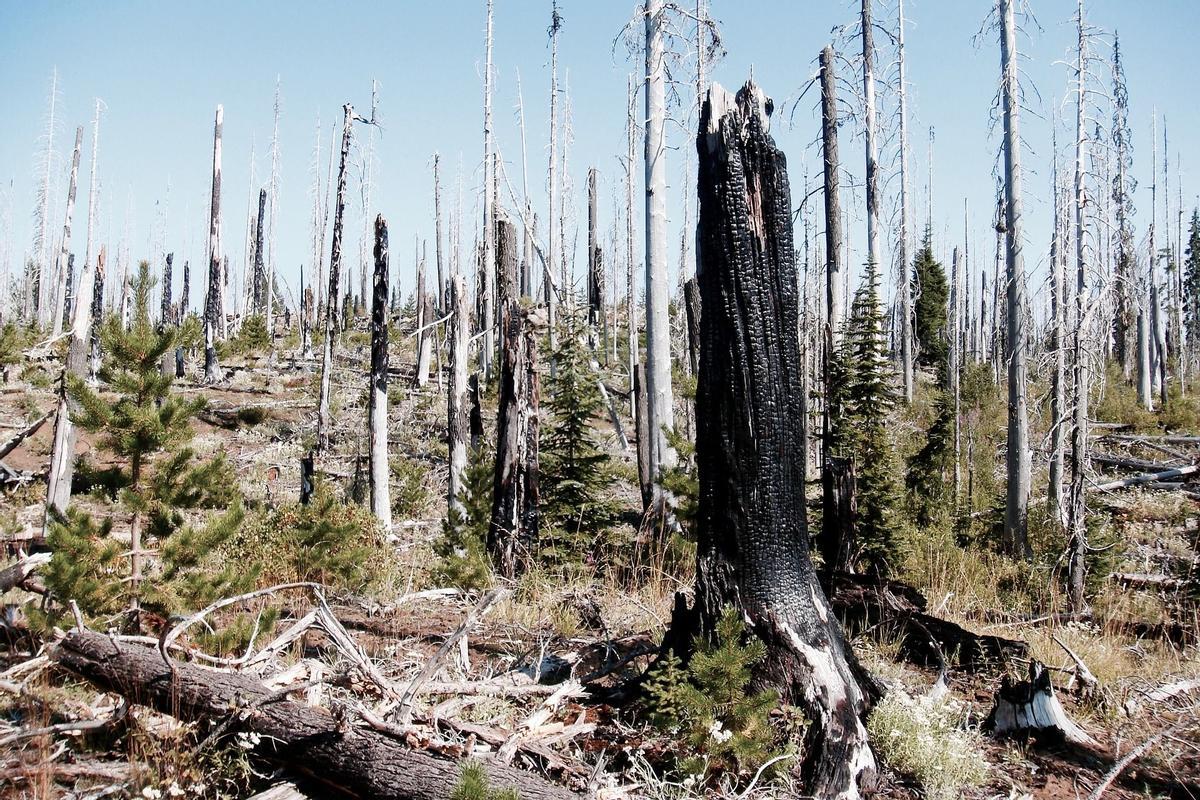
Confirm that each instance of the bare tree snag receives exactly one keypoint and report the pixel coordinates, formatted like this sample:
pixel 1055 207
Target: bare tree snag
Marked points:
pixel 595 277
pixel 165 317
pixel 838 512
pixel 691 301
pixel 641 426
pixel 488 323
pixel 307 477
pixel 212 302
pixel 834 301
pixel 95 311
pixel 457 408
pixel 660 414
pixel 514 526
pixel 259 279
pixel 906 311
pixel 427 338
pixel 348 758
pixel 752 537
pixel 377 402
pixel 1016 509
pixel 335 269
pixel 62 282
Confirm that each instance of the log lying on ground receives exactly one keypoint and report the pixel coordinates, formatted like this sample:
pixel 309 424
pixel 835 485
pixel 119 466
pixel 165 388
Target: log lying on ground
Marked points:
pixel 863 602
pixel 1145 477
pixel 1031 707
pixel 359 762
pixel 15 574
pixel 22 435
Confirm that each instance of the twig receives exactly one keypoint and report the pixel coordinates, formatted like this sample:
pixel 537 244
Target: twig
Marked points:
pixel 1125 761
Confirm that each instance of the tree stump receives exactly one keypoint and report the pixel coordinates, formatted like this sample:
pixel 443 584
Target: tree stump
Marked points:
pixel 1031 707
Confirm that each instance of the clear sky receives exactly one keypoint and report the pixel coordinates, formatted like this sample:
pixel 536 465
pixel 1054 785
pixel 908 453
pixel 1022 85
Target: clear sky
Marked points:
pixel 162 67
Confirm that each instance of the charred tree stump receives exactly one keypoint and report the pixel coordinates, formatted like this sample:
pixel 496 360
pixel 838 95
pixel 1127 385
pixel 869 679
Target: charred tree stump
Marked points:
pixel 1031 707
pixel 839 510
pixel 350 759
pixel 752 537
pixel 307 477
pixel 691 302
pixel 514 526
pixel 377 402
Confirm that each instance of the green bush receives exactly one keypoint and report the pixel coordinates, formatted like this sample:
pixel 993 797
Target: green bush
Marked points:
pixel 473 785
pixel 463 560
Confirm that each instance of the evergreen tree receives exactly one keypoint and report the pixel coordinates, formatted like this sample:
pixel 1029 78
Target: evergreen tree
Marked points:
pixel 146 429
pixel 574 469
pixel 933 297
pixel 871 399
pixel 462 546
pixel 1191 278
pixel 928 475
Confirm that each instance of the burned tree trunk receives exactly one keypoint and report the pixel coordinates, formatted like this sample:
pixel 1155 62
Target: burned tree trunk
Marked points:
pixel 426 338
pixel 166 318
pixel 691 302
pixel 62 282
pixel 642 429
pixel 456 400
pixel 377 402
pixel 838 511
pixel 597 319
pixel 335 269
pixel 752 538
pixel 514 525
pixel 260 275
pixel 212 302
pixel 348 758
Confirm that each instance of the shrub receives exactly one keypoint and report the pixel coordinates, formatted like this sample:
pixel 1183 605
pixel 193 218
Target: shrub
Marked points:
pixel 461 548
pixel 473 785
pixel 926 739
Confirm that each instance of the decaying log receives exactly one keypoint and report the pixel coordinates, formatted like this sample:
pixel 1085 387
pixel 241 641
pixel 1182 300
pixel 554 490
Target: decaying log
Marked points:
pixel 356 761
pixel 751 531
pixel 1148 581
pixel 22 435
pixel 1145 477
pixel 1030 706
pixel 15 574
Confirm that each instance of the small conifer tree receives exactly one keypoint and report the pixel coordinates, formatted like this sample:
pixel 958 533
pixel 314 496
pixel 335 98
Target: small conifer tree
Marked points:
pixel 574 469
pixel 146 429
pixel 933 297
pixel 462 547
pixel 1191 278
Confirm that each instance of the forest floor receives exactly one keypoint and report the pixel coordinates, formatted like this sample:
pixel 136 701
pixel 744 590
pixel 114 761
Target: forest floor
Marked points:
pixel 528 679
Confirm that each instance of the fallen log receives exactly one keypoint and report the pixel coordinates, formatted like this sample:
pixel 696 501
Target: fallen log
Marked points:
pixel 1030 706
pixel 1145 477
pixel 1148 581
pixel 22 435
pixel 357 761
pixel 15 574
pixel 1141 464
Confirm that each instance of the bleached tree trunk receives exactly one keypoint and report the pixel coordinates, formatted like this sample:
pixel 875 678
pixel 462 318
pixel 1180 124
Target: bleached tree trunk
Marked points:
pixel 1016 511
pixel 1157 328
pixel 377 403
pixel 869 136
pixel 955 367
pixel 62 283
pixel 489 214
pixel 526 277
pixel 513 531
pixel 440 294
pixel 212 303
pixel 458 403
pixel 631 316
pixel 834 300
pixel 752 541
pixel 1077 545
pixel 906 323
pixel 660 415
pixel 87 312
pixel 272 227
pixel 40 278
pixel 1144 380
pixel 551 249
pixel 1058 391
pixel 335 269
pixel 97 311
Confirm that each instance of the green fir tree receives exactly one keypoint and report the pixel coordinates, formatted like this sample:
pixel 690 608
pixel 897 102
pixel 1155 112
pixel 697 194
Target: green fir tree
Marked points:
pixel 929 310
pixel 1191 278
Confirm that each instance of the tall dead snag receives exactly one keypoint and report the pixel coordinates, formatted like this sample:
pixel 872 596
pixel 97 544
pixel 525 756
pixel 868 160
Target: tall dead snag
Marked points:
pixel 906 311
pixel 377 402
pixel 457 402
pixel 62 283
pixel 335 270
pixel 597 318
pixel 212 301
pixel 259 279
pixel 84 337
pixel 752 537
pixel 166 317
pixel 514 525
pixel 660 414
pixel 691 302
pixel 1016 509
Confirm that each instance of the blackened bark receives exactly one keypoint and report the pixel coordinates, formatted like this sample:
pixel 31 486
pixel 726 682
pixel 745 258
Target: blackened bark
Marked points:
pixel 307 477
pixel 752 539
pixel 514 525
pixel 214 324
pixel 839 510
pixel 476 412
pixel 691 301
pixel 377 403
pixel 260 273
pixel 185 292
pixel 97 311
pixel 166 318
pixel 641 425
pixel 335 270
pixel 69 300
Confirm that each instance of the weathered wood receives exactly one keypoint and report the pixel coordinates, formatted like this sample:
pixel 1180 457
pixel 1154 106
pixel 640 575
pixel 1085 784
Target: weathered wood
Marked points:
pixel 1145 477
pixel 307 477
pixel 335 273
pixel 752 537
pixel 641 424
pixel 514 524
pixel 23 434
pixel 834 302
pixel 1031 706
pixel 839 512
pixel 62 282
pixel 457 404
pixel 349 759
pixel 691 303
pixel 377 401
pixel 259 280
pixel 166 318
pixel 15 574
pixel 213 324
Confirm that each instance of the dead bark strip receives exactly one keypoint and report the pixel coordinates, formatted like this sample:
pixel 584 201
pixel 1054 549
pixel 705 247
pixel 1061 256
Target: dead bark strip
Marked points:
pixel 514 526
pixel 357 761
pixel 752 537
pixel 377 401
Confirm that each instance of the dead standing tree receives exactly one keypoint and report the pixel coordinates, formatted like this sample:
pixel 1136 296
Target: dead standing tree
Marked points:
pixel 213 324
pixel 377 402
pixel 514 525
pixel 62 282
pixel 752 536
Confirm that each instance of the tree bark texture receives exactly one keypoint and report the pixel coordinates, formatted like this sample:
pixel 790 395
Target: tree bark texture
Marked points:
pixel 514 525
pixel 457 406
pixel 377 402
pixel 350 759
pixel 834 301
pixel 335 269
pixel 62 282
pixel 212 302
pixel 752 538
pixel 260 274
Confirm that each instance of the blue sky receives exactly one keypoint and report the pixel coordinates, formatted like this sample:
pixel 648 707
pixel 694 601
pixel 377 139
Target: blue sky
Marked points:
pixel 162 67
